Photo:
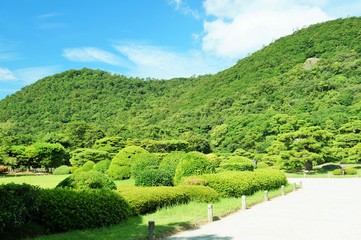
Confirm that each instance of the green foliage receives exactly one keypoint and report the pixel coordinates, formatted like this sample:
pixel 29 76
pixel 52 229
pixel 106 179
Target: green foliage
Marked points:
pixel 144 200
pixel 143 162
pixel 350 171
pixel 200 193
pixel 160 146
pixel 66 209
pixel 88 166
pixel 87 180
pixel 83 155
pixel 120 167
pixel 154 177
pixel 337 172
pixel 17 203
pixel 112 145
pixel 236 184
pixel 193 163
pixel 236 163
pixel 262 165
pixel 62 170
pixel 102 166
pixel 171 161
pixel 82 134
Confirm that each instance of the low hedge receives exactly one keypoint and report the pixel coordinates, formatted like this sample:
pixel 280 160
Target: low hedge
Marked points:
pixel 27 211
pixel 66 209
pixel 236 184
pixel 153 177
pixel 144 200
pixel 350 171
pixel 200 193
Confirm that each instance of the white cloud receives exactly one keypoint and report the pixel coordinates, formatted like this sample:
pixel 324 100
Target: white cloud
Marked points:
pixel 32 74
pixel 91 54
pixel 6 74
pixel 242 27
pixel 158 62
pixel 182 7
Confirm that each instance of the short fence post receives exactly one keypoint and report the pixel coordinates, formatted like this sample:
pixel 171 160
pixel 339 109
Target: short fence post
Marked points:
pixel 304 175
pixel 294 186
pixel 151 230
pixel 266 196
pixel 244 204
pixel 301 184
pixel 329 175
pixel 210 213
pixel 283 190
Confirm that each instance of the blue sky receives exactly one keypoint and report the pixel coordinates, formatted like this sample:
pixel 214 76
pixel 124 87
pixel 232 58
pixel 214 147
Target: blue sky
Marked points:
pixel 145 38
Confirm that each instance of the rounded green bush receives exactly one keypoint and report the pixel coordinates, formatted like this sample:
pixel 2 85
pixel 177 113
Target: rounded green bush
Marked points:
pixel 87 180
pixel 154 177
pixel 171 161
pixel 82 155
pixel 262 165
pixel 66 209
pixel 193 163
pixel 62 170
pixel 337 172
pixel 102 166
pixel 237 163
pixel 117 172
pixel 144 161
pixel 350 171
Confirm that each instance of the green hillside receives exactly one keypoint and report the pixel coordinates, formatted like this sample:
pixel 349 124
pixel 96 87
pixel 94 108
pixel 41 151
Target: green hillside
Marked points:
pixel 296 100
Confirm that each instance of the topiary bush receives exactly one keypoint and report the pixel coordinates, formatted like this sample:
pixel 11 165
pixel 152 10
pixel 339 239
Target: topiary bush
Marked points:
pixel 120 166
pixel 88 180
pixel 350 171
pixel 143 162
pixel 193 163
pixel 88 166
pixel 154 177
pixel 102 166
pixel 171 161
pixel 337 172
pixel 82 155
pixel 62 170
pixel 236 184
pixel 66 209
pixel 144 200
pixel 262 165
pixel 237 163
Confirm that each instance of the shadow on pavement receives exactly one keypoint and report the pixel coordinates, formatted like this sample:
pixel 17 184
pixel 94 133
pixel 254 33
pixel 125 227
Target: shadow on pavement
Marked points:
pixel 202 237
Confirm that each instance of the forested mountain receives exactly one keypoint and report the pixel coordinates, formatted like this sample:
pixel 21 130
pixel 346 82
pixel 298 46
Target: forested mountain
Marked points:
pixel 299 97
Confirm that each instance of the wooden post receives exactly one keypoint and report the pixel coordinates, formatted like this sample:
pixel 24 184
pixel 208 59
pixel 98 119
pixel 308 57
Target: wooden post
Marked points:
pixel 304 175
pixel 244 204
pixel 301 184
pixel 151 230
pixel 266 196
pixel 294 187
pixel 329 175
pixel 283 190
pixel 210 213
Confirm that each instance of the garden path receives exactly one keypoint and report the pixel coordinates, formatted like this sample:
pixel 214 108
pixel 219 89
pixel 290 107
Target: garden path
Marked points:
pixel 323 209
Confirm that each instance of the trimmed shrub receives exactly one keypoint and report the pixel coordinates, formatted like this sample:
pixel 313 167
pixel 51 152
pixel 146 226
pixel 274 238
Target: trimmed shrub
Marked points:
pixel 171 161
pixel 194 180
pixel 154 177
pixel 236 184
pixel 87 180
pixel 350 171
pixel 62 170
pixel 120 167
pixel 193 163
pixel 236 163
pixel 143 162
pixel 262 165
pixel 66 209
pixel 102 166
pixel 117 172
pixel 17 202
pixel 86 167
pixel 112 145
pixel 82 155
pixel 144 200
pixel 200 193
pixel 337 172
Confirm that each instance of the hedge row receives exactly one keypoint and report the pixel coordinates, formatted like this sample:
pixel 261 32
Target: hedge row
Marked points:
pixel 236 184
pixel 144 200
pixel 29 208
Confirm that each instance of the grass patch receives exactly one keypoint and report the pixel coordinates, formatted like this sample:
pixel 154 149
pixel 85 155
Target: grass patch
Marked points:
pixel 167 220
pixel 43 181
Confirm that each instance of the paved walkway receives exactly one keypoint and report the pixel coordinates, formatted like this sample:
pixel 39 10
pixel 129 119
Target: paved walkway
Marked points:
pixel 325 209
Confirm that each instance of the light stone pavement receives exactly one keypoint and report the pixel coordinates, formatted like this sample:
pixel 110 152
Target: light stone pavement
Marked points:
pixel 324 209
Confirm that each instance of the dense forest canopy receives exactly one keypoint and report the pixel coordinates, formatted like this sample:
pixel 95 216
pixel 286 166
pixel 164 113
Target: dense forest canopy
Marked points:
pixel 297 100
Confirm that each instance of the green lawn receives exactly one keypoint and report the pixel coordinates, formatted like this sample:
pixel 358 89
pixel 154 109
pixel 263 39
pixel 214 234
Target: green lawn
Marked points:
pixel 44 181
